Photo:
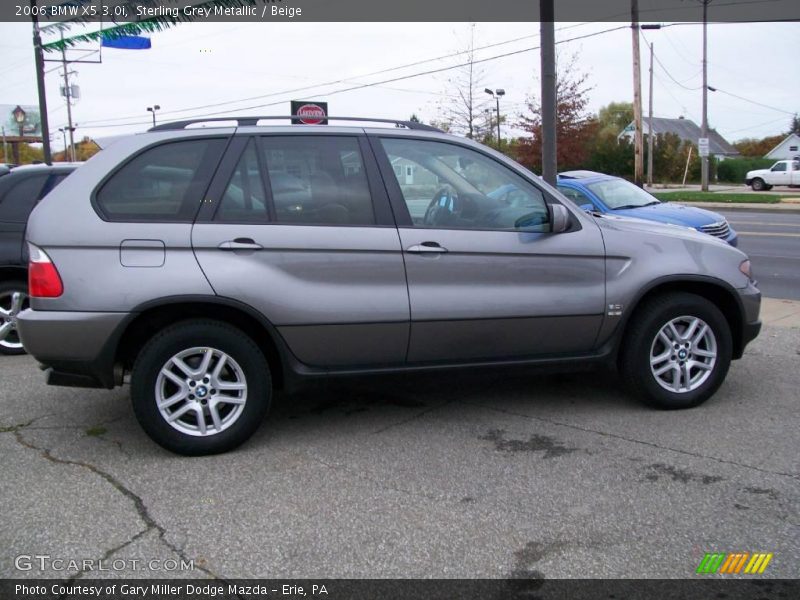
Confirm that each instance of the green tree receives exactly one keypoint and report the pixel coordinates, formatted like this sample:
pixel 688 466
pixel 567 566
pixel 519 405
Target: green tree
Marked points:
pixel 794 125
pixel 615 116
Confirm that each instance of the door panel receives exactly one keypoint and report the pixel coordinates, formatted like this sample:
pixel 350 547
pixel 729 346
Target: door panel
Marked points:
pixel 504 294
pixel 486 277
pixel 335 289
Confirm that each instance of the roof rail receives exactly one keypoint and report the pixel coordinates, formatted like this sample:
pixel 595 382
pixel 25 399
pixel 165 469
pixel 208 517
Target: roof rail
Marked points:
pixel 250 121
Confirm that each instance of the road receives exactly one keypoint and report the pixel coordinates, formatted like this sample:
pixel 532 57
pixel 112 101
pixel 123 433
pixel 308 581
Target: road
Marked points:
pixel 772 240
pixel 473 474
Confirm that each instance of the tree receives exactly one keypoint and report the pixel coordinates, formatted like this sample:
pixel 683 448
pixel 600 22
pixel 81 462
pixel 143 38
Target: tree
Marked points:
pixel 462 110
pixel 754 147
pixel 794 125
pixel 615 116
pixel 575 127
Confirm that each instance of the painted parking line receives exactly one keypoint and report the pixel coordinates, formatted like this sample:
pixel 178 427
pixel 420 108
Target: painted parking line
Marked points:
pixel 768 234
pixel 770 224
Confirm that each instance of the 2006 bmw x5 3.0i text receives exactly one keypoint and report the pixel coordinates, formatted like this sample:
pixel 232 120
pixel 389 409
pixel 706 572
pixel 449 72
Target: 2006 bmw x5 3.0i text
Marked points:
pixel 212 265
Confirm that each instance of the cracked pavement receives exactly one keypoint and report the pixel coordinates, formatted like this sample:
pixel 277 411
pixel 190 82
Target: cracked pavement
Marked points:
pixel 462 474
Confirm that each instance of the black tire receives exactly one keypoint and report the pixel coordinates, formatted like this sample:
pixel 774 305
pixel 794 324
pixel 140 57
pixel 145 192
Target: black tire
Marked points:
pixel 221 337
pixel 758 185
pixel 640 338
pixel 10 344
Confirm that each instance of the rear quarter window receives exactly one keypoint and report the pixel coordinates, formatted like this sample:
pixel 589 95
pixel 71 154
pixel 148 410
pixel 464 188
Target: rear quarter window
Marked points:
pixel 20 196
pixel 162 183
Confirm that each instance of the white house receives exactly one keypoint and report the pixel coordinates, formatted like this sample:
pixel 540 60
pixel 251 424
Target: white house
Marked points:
pixel 788 148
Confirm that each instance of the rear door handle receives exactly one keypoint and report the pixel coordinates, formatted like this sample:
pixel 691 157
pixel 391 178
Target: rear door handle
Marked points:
pixel 427 247
pixel 240 244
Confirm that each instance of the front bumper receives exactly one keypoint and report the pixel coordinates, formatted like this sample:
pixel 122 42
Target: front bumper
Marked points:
pixel 750 298
pixel 75 348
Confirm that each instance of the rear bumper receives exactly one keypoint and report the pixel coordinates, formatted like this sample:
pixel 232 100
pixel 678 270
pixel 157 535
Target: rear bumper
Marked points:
pixel 75 349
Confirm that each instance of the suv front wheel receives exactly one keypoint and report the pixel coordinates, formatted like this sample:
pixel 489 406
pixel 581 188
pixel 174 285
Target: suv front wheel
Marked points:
pixel 677 352
pixel 200 387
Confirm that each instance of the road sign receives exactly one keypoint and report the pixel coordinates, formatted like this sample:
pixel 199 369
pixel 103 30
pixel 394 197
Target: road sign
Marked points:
pixel 309 113
pixel 702 146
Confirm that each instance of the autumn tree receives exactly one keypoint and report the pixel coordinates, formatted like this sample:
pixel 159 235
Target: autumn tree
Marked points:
pixel 754 147
pixel 575 127
pixel 462 110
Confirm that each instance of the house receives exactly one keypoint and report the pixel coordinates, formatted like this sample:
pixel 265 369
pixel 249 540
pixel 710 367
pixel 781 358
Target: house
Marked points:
pixel 410 173
pixel 686 130
pixel 788 148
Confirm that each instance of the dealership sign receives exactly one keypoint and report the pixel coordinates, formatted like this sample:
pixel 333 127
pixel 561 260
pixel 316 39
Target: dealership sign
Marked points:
pixel 309 113
pixel 31 122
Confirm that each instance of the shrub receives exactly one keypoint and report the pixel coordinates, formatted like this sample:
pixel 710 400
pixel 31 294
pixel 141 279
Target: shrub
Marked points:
pixel 734 170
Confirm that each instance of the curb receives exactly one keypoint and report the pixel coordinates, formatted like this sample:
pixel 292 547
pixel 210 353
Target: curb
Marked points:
pixel 747 207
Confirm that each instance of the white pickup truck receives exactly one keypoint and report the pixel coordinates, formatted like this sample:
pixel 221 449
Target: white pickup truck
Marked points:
pixel 783 172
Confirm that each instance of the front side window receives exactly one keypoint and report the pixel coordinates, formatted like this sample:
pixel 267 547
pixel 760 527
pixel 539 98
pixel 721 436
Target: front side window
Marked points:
pixel 781 166
pixel 163 183
pixel 577 197
pixel 318 180
pixel 450 186
pixel 619 194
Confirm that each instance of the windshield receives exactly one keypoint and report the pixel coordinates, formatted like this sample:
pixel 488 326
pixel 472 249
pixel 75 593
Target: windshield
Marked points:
pixel 618 193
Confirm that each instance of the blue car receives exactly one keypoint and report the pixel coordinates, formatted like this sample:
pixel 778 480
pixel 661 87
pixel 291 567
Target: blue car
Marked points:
pixel 597 192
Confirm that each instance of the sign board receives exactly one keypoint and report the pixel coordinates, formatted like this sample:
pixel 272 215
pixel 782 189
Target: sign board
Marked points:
pixel 31 126
pixel 702 146
pixel 309 113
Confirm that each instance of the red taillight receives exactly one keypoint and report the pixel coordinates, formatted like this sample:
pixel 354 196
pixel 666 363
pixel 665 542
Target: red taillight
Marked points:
pixel 43 278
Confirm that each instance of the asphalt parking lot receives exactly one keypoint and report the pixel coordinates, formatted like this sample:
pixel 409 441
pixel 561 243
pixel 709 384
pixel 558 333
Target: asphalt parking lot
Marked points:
pixel 480 474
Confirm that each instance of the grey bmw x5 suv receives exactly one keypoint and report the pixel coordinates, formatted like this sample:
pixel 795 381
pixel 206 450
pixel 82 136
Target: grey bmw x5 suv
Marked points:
pixel 211 265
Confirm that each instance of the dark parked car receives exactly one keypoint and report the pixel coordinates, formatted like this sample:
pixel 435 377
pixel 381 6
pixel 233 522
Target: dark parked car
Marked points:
pixel 21 189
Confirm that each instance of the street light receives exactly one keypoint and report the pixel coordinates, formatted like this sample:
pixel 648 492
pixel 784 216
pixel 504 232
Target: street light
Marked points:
pixel 496 95
pixel 153 110
pixel 19 118
pixel 63 131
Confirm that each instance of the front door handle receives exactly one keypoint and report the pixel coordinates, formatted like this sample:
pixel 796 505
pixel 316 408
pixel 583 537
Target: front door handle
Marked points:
pixel 240 244
pixel 427 247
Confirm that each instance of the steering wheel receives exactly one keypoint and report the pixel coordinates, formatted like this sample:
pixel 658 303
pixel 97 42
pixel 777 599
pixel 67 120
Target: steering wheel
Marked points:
pixel 443 207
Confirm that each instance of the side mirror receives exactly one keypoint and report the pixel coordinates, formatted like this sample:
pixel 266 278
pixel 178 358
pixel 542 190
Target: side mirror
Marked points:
pixel 559 217
pixel 587 207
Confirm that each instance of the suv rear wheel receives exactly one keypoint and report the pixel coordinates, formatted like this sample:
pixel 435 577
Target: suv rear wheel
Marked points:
pixel 677 352
pixel 200 387
pixel 13 300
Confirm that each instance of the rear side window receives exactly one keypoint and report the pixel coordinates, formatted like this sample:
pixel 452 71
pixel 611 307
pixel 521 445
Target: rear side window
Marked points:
pixel 18 202
pixel 163 183
pixel 318 180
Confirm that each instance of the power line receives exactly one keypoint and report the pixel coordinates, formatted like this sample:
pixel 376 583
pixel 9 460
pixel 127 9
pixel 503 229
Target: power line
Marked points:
pixel 345 80
pixel 378 83
pixel 716 89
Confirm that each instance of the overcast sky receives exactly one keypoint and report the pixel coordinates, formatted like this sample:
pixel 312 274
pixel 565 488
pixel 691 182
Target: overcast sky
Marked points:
pixel 199 64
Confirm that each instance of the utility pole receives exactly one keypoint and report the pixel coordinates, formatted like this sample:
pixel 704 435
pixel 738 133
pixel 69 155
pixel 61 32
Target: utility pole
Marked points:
pixel 5 146
pixel 650 133
pixel 638 150
pixel 548 63
pixel 704 126
pixel 37 50
pixel 68 95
